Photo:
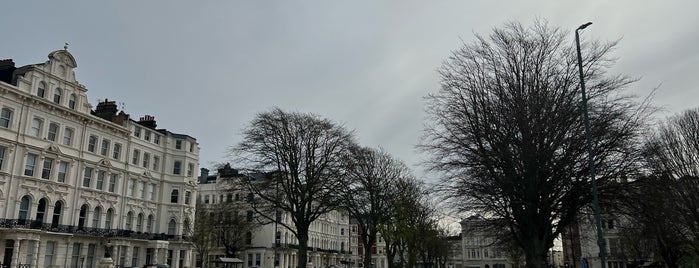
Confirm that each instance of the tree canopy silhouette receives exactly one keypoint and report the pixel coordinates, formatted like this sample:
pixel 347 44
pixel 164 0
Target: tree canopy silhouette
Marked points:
pixel 506 130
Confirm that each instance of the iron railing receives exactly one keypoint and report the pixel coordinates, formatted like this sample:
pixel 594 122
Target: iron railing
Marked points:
pixel 83 230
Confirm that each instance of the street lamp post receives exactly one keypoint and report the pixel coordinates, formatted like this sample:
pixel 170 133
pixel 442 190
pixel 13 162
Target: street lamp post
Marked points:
pixel 593 180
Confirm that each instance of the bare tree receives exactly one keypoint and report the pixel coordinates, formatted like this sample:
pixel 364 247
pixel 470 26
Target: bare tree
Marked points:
pixel 221 226
pixel 372 177
pixel 674 149
pixel 307 157
pixel 507 135
pixel 665 204
pixel 203 235
pixel 435 246
pixel 234 227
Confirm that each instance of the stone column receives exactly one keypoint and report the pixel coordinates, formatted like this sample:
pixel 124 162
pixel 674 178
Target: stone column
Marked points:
pixel 62 254
pixel 187 259
pixel 39 257
pixel 15 252
pixel 3 244
pixel 127 260
pixel 175 258
pixel 36 253
pixel 159 256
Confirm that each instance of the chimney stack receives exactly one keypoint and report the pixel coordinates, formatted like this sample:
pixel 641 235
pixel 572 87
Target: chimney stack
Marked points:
pixel 106 109
pixel 148 121
pixel 204 175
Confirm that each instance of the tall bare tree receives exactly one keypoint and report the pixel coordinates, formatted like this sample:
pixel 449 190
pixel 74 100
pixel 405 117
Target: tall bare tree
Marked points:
pixel 307 156
pixel 203 235
pixel 665 204
pixel 372 178
pixel 221 226
pixel 673 150
pixel 506 131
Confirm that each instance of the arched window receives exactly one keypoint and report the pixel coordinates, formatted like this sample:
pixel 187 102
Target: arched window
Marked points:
pixel 41 90
pixel 174 196
pixel 24 208
pixel 41 210
pixel 57 209
pixel 129 218
pixel 83 216
pixel 71 101
pixel 149 224
pixel 139 222
pixel 172 227
pixel 108 218
pixel 57 95
pixel 97 217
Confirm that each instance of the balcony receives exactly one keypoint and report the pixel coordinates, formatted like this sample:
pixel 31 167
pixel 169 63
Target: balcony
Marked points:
pixel 90 231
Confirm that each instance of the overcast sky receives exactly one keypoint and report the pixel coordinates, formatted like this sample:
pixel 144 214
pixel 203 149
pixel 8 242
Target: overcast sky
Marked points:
pixel 205 68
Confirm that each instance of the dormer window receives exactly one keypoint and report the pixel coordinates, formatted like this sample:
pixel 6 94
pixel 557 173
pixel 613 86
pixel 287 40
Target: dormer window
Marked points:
pixel 57 95
pixel 41 90
pixel 71 102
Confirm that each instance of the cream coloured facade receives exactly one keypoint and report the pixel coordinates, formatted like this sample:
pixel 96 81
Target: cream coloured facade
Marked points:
pixel 273 245
pixel 77 182
pixel 479 247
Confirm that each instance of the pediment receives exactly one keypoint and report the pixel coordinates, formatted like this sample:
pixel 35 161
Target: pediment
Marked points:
pixel 63 56
pixel 105 163
pixel 53 149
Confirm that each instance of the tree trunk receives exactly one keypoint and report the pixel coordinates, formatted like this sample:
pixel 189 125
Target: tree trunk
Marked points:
pixel 303 248
pixel 368 240
pixel 390 254
pixel 535 254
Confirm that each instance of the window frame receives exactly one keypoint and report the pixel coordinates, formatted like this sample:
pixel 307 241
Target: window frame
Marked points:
pixel 57 95
pixel 92 143
pixel 41 90
pixel 68 136
pixel 30 168
pixel 104 147
pixel 72 100
pixel 62 174
pixel 46 168
pixel 52 134
pixel 6 117
pixel 87 177
pixel 36 126
pixel 177 168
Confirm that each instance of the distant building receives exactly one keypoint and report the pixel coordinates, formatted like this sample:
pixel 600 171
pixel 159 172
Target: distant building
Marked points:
pixel 76 182
pixel 272 245
pixel 378 250
pixel 580 244
pixel 480 247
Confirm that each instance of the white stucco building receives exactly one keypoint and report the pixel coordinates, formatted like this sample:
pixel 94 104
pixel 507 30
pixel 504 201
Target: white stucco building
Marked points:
pixel 76 182
pixel 272 245
pixel 479 247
